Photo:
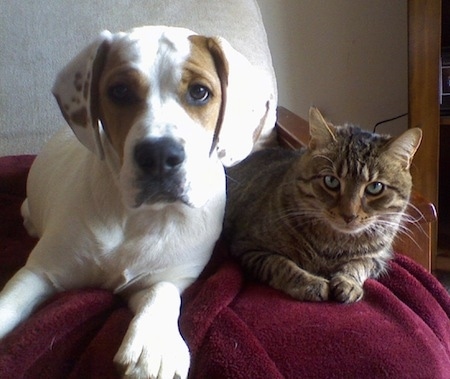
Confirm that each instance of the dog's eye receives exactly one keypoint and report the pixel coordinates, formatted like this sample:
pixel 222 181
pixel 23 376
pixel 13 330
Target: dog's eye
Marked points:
pixel 121 94
pixel 198 94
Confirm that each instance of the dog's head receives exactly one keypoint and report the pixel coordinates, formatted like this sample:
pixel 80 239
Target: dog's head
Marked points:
pixel 163 104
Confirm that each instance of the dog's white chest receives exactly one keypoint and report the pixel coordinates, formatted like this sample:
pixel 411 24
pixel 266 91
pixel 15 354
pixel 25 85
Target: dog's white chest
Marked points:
pixel 89 238
pixel 170 247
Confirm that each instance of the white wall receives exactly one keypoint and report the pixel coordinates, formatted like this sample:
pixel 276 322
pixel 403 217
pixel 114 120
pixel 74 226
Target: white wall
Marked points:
pixel 347 57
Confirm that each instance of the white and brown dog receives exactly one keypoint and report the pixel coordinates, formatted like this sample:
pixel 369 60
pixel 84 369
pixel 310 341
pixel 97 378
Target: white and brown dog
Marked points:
pixel 138 209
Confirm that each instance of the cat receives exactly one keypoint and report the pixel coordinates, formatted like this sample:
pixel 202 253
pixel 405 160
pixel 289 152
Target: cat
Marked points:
pixel 318 221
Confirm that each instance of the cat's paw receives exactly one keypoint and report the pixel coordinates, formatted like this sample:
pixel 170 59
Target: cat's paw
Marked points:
pixel 346 289
pixel 314 289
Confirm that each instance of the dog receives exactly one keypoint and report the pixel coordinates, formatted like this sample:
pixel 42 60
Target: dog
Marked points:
pixel 132 198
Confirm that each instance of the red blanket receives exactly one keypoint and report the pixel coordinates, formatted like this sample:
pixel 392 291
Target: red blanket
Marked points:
pixel 235 328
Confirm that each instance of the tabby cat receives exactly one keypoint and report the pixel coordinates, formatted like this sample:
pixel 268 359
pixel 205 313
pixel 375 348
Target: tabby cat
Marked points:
pixel 317 222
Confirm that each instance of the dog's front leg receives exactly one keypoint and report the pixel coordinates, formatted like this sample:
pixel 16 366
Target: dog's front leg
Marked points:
pixel 20 296
pixel 153 346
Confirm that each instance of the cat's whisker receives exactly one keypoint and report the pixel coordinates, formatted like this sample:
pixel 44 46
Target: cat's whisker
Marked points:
pixel 418 214
pixel 416 221
pixel 407 233
pixel 402 230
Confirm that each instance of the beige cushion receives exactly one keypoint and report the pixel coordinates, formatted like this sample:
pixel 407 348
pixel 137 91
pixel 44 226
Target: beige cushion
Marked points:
pixel 39 38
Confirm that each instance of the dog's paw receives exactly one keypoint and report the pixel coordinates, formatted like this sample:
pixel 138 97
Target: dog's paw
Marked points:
pixel 151 352
pixel 346 289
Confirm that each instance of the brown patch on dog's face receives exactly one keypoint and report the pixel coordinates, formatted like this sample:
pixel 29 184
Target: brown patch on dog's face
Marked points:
pixel 122 98
pixel 201 89
pixel 124 90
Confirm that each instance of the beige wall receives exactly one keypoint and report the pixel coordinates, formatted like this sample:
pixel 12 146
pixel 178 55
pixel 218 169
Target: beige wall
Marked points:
pixel 347 57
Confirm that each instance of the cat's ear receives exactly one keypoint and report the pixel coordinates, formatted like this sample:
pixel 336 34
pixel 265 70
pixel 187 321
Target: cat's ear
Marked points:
pixel 405 146
pixel 321 132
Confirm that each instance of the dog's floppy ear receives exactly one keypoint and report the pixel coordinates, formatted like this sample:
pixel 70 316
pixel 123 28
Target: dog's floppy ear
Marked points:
pixel 76 91
pixel 247 102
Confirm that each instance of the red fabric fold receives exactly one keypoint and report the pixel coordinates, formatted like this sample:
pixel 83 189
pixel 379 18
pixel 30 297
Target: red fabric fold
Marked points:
pixel 387 335
pixel 235 328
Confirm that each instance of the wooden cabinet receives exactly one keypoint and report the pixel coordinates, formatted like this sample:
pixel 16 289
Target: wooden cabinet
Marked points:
pixel 431 171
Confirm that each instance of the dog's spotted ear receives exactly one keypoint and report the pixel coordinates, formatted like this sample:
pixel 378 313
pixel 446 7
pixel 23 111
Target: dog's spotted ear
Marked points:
pixel 76 91
pixel 247 109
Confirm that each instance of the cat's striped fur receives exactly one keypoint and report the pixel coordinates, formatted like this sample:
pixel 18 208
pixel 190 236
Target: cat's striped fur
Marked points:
pixel 317 222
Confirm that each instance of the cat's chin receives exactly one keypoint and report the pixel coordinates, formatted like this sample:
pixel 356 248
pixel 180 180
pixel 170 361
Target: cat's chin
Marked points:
pixel 353 229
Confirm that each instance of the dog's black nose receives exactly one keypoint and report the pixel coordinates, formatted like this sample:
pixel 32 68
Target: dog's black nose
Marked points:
pixel 160 156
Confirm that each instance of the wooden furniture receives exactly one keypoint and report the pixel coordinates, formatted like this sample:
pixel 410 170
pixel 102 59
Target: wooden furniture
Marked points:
pixel 432 161
pixel 293 132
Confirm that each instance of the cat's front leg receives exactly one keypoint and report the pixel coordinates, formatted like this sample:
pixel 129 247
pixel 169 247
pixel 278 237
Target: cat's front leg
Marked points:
pixel 309 287
pixel 346 284
pixel 284 274
pixel 345 288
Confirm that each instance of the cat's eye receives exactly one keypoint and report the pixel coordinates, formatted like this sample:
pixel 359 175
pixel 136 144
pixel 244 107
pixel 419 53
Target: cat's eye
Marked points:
pixel 331 182
pixel 375 188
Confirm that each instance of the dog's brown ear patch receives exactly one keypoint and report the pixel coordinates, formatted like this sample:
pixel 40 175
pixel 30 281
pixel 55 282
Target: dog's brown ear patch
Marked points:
pixel 207 65
pixel 80 116
pixel 246 102
pixel 76 91
pixel 222 69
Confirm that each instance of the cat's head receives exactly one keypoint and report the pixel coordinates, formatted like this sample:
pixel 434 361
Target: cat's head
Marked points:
pixel 360 180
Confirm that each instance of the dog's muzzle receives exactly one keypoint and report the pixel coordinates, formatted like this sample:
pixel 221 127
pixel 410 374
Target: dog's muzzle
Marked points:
pixel 160 175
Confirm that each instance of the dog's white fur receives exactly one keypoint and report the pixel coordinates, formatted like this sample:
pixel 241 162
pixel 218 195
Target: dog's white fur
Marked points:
pixel 102 219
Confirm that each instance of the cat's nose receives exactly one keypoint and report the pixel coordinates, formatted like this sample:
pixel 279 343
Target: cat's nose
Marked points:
pixel 349 218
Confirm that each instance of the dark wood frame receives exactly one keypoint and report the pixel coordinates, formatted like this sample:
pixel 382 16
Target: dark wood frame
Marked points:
pixel 424 48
